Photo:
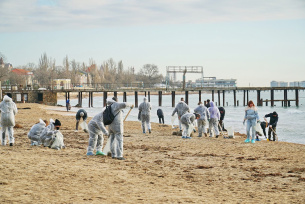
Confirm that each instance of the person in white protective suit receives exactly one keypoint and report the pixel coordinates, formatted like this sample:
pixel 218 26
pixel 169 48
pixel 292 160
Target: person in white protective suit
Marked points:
pixel 8 111
pixel 116 128
pixel 34 133
pixel 144 112
pixel 214 118
pixel 181 108
pixel 202 110
pixel 187 122
pixel 48 134
pixel 96 130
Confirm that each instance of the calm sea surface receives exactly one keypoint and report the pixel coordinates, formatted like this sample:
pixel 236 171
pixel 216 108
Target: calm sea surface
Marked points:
pixel 291 119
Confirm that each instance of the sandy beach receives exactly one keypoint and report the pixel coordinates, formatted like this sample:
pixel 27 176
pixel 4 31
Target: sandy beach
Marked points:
pixel 159 168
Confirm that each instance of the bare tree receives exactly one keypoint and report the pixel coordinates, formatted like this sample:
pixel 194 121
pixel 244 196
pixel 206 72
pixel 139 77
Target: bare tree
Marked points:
pixel 3 69
pixel 149 74
pixel 44 70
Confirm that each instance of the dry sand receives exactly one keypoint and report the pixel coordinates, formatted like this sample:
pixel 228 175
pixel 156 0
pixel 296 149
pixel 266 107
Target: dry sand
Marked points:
pixel 159 168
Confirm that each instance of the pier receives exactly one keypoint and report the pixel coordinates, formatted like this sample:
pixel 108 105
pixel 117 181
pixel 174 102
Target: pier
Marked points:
pixel 47 96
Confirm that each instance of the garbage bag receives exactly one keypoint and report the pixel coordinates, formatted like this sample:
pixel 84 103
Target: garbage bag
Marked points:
pixel 84 126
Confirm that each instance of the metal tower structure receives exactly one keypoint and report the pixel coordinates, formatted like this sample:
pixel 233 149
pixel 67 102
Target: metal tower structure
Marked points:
pixel 184 70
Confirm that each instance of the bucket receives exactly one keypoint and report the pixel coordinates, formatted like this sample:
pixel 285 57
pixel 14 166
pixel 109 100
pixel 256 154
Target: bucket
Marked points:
pixel 230 131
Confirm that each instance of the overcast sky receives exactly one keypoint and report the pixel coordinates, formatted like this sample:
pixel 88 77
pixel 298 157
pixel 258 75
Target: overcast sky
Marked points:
pixel 253 41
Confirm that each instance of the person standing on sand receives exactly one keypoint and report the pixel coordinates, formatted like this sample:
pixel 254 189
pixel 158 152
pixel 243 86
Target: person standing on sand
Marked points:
pixel 144 111
pixel 68 106
pixel 96 129
pixel 214 118
pixel 81 113
pixel 160 115
pixel 222 112
pixel 116 128
pixel 208 103
pixel 202 121
pixel 251 115
pixel 8 111
pixel 181 108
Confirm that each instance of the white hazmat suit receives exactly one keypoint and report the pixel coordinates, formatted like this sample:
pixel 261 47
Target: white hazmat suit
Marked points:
pixel 47 136
pixel 8 111
pixel 144 111
pixel 187 121
pixel 181 108
pixel 202 110
pixel 116 128
pixel 96 130
pixel 34 133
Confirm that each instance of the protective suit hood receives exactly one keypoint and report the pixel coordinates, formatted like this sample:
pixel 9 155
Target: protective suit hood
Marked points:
pixel 6 98
pixel 110 101
pixel 42 122
pixel 145 99
pixel 212 104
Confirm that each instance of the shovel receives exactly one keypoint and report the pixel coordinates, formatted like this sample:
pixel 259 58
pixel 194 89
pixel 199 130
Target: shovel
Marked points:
pixel 127 115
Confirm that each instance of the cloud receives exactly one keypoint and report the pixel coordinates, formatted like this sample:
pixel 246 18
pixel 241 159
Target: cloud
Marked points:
pixel 33 15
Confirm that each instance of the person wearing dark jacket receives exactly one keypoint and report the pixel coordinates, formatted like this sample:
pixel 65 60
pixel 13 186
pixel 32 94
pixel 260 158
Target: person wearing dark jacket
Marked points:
pixel 222 116
pixel 208 103
pixel 272 124
pixel 81 113
pixel 160 115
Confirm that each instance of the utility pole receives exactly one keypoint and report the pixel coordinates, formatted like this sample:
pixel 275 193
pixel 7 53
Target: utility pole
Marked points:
pixel 184 72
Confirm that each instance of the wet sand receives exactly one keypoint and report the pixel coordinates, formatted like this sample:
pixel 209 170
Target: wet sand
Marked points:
pixel 159 168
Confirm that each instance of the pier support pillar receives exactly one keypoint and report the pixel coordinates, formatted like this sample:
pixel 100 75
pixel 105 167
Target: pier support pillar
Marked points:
pixel 91 99
pixel 234 97
pixel 285 97
pixel 258 97
pixel 213 95
pixel 244 97
pixel 187 97
pixel 218 92
pixel 115 94
pixel 173 98
pixel 145 93
pixel 199 95
pixel 160 98
pixel 297 97
pixel 148 96
pixel 247 96
pixel 104 98
pixel 223 98
pixel 124 97
pixel 136 99
pixel 272 97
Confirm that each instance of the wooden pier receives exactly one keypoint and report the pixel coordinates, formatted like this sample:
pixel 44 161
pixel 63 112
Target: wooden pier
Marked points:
pixel 160 91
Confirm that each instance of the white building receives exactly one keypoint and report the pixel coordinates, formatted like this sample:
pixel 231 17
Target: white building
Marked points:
pixel 62 84
pixel 213 82
pixel 278 84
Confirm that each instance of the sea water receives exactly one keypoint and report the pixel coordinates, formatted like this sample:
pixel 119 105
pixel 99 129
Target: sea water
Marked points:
pixel 290 127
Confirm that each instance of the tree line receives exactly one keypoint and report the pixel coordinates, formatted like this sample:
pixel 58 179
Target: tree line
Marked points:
pixel 108 72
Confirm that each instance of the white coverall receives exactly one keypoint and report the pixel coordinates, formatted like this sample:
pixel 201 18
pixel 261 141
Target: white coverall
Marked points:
pixel 144 110
pixel 96 129
pixel 116 128
pixel 181 108
pixel 34 133
pixel 8 111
